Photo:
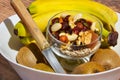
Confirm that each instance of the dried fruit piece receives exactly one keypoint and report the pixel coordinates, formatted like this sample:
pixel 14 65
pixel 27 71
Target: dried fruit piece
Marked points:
pixel 76 17
pixel 72 37
pixel 55 20
pixel 62 33
pixel 88 37
pixel 64 15
pixel 63 38
pixel 93 39
pixel 65 26
pixel 66 19
pixel 80 25
pixel 71 22
pixel 84 37
pixel 76 30
pixel 60 20
pixel 93 27
pixel 112 38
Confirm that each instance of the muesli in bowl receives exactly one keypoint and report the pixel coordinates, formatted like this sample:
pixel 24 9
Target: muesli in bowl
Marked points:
pixel 74 37
pixel 74 34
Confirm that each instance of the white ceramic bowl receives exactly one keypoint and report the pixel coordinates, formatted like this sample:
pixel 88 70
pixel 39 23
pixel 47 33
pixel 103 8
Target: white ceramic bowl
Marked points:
pixel 9 46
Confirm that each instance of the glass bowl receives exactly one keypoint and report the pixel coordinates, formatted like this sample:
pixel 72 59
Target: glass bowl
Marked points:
pixel 74 36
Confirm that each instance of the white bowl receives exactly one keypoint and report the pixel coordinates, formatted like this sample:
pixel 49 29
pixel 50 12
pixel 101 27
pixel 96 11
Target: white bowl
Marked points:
pixel 9 46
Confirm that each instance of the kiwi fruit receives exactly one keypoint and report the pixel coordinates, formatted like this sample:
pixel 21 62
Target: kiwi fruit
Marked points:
pixel 44 67
pixel 107 58
pixel 26 57
pixel 30 55
pixel 88 68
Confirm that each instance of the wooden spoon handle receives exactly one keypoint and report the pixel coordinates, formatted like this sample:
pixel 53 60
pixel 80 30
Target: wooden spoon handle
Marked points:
pixel 29 23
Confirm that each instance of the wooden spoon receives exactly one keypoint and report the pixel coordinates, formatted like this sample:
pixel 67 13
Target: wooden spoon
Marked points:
pixel 42 43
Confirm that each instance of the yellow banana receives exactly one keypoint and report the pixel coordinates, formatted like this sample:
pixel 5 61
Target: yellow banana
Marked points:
pixel 27 40
pixel 104 13
pixel 20 30
pixel 42 11
pixel 92 7
pixel 47 1
pixel 101 14
pixel 40 20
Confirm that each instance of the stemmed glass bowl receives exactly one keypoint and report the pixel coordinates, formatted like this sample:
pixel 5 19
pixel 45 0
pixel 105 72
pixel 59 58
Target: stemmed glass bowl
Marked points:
pixel 76 49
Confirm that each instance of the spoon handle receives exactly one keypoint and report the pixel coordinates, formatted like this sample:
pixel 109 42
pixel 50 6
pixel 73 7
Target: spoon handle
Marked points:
pixel 42 43
pixel 30 24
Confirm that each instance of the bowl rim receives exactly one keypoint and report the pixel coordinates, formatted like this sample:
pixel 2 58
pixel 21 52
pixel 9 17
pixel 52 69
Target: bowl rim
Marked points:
pixel 50 73
pixel 58 74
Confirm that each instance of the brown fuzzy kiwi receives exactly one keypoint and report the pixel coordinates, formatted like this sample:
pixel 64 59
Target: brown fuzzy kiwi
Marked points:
pixel 106 57
pixel 30 55
pixel 88 68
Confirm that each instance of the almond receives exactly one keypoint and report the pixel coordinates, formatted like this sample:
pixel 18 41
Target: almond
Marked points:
pixel 93 27
pixel 64 15
pixel 62 33
pixel 78 16
pixel 56 27
pixel 72 37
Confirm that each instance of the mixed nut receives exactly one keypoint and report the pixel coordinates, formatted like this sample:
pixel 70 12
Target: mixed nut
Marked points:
pixel 76 32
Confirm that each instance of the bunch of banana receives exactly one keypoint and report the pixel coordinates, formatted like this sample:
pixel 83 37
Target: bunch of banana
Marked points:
pixel 42 10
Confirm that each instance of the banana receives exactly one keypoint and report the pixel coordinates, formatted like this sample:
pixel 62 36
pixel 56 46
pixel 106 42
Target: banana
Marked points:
pixel 42 11
pixel 92 7
pixel 40 20
pixel 99 10
pixel 27 40
pixel 20 30
pixel 43 21
pixel 48 1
